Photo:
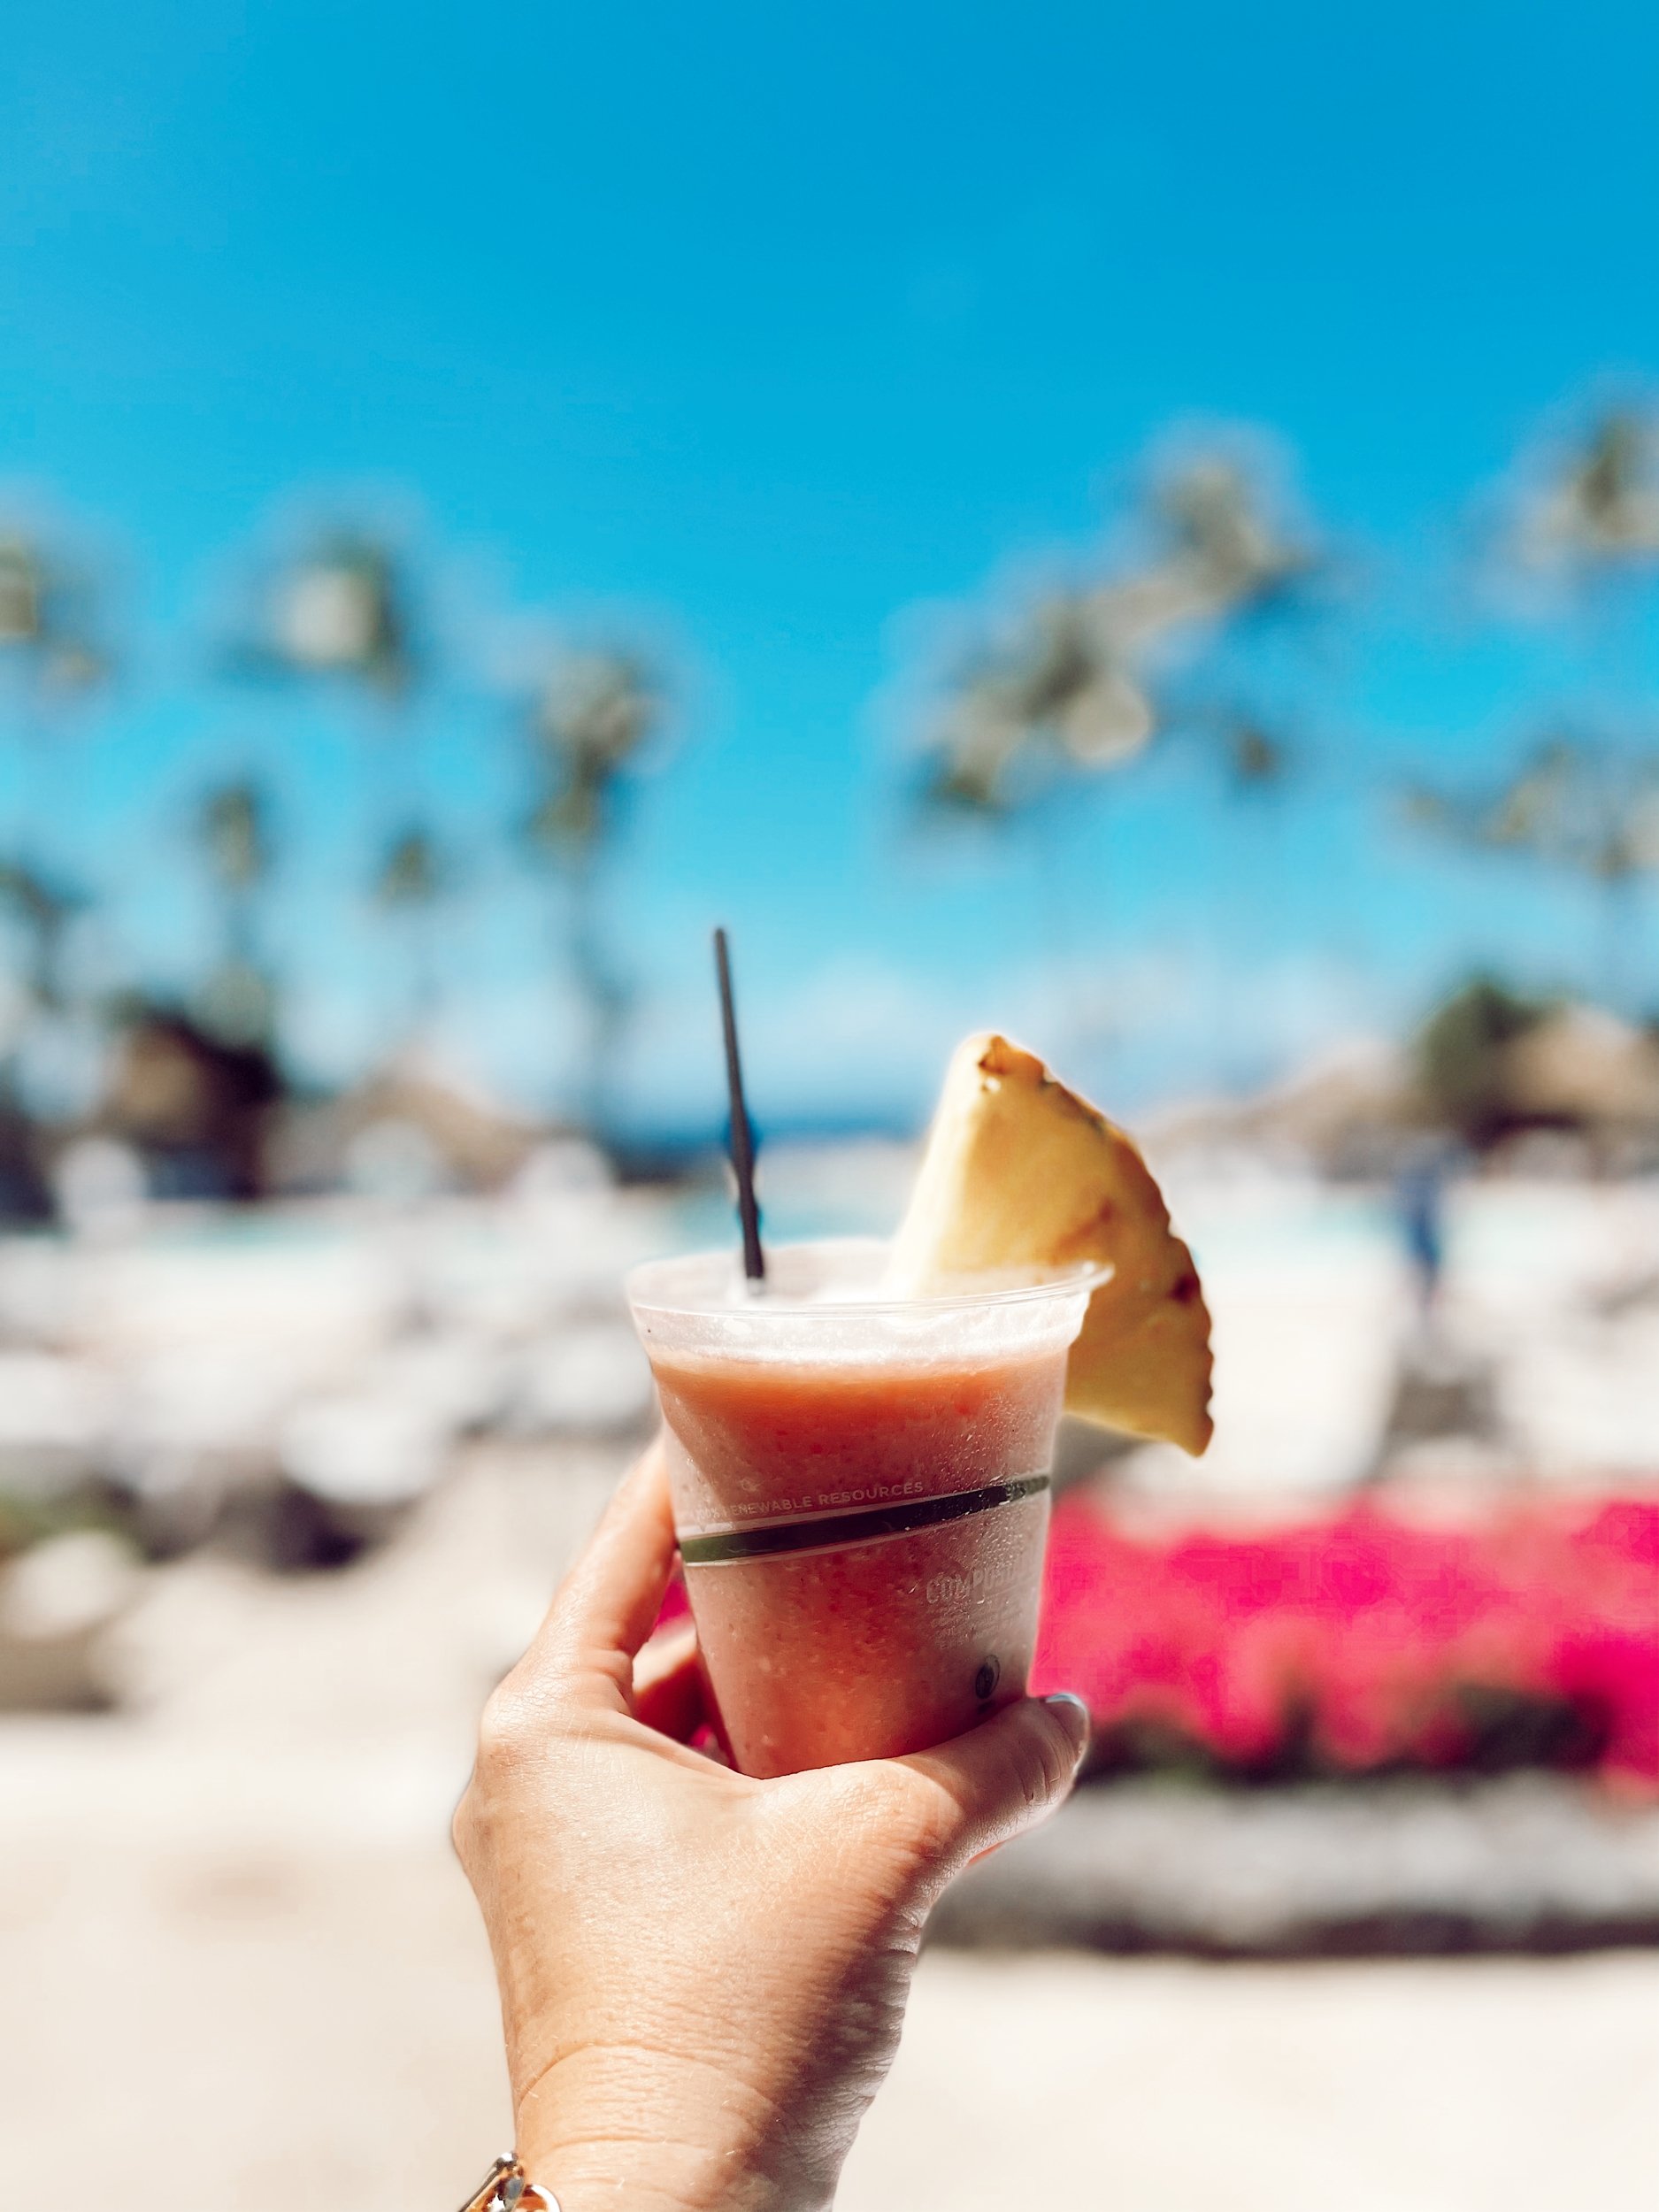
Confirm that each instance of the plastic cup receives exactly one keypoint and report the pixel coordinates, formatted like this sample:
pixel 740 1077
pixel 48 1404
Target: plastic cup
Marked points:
pixel 861 1491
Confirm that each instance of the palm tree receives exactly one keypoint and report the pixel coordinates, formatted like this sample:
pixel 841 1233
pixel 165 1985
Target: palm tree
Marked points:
pixel 41 908
pixel 50 627
pixel 341 612
pixel 1070 685
pixel 589 721
pixel 1580 518
pixel 233 834
pixel 1083 680
pixel 1587 810
pixel 53 656
pixel 1583 511
pixel 1060 686
pixel 1593 504
pixel 341 607
pixel 412 880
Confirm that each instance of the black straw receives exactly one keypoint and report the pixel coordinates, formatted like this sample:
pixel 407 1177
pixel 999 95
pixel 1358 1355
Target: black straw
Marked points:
pixel 742 1135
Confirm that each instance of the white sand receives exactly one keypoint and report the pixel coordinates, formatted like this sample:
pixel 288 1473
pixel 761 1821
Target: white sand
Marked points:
pixel 238 1967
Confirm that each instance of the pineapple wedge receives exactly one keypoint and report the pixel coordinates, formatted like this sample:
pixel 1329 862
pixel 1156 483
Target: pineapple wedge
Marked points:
pixel 1020 1171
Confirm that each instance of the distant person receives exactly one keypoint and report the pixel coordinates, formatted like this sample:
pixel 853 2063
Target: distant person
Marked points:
pixel 703 1977
pixel 1420 1203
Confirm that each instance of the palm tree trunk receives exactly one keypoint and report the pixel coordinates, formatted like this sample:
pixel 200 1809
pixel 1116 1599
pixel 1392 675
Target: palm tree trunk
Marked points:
pixel 604 993
pixel 1619 917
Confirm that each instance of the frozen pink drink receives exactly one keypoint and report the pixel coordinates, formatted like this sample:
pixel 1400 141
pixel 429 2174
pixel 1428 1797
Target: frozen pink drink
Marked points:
pixel 861 1489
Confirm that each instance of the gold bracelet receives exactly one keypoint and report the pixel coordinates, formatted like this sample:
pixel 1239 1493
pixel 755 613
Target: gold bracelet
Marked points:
pixel 506 2190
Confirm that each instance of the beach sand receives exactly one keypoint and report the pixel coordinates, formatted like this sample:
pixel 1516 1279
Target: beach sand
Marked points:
pixel 238 1965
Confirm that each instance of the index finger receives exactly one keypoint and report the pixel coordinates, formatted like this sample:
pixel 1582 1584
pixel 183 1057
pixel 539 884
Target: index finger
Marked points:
pixel 607 1605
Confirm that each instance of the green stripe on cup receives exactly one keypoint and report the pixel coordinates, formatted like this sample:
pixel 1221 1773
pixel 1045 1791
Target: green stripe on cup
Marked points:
pixel 827 1530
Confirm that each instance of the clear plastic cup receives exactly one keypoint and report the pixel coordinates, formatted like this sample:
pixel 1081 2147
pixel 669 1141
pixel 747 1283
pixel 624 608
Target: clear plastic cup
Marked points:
pixel 861 1491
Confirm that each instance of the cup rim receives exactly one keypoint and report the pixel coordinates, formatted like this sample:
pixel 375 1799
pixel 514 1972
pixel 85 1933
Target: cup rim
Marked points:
pixel 1085 1275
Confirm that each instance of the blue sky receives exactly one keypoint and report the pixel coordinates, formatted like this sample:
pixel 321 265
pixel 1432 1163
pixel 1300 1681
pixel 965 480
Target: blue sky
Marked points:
pixel 771 330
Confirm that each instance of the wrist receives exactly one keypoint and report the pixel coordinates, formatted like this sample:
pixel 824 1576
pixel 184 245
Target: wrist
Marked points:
pixel 597 2176
pixel 607 2127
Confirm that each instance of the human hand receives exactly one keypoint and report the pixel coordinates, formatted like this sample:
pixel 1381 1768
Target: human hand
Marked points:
pixel 703 1977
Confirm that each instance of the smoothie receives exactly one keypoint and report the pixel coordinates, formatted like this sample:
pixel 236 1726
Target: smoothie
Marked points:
pixel 861 1494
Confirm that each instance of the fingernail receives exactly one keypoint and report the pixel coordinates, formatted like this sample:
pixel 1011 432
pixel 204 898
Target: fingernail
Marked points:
pixel 1069 1701
pixel 1066 1697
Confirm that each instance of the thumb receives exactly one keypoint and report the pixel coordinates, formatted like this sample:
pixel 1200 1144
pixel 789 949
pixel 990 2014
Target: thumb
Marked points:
pixel 1000 1778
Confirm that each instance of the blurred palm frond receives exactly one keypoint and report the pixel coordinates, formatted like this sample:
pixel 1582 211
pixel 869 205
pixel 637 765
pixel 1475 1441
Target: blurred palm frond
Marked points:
pixel 1258 760
pixel 41 907
pixel 342 608
pixel 1571 803
pixel 233 830
pixel 50 619
pixel 413 873
pixel 589 719
pixel 1592 502
pixel 1070 682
